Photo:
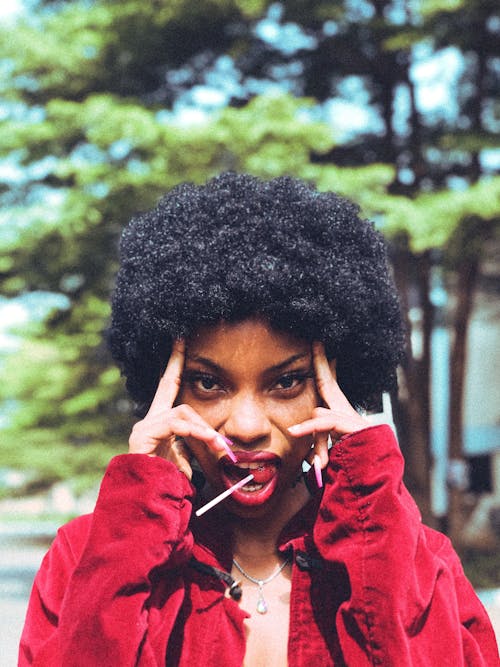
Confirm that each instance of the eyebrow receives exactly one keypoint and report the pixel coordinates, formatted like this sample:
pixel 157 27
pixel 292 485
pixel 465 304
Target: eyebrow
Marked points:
pixel 272 369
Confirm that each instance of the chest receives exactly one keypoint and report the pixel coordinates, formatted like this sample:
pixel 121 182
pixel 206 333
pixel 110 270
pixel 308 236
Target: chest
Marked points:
pixel 266 634
pixel 299 627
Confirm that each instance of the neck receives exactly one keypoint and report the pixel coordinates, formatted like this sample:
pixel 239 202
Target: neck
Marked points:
pixel 256 539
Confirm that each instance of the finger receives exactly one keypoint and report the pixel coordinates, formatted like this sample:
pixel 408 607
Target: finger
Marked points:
pixel 321 448
pixel 335 422
pixel 312 426
pixel 201 432
pixel 170 382
pixel 326 379
pixel 156 432
pixel 149 434
pixel 180 456
pixel 162 420
pixel 209 435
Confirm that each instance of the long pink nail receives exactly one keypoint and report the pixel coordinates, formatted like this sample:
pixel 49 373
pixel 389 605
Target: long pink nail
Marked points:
pixel 317 471
pixel 220 440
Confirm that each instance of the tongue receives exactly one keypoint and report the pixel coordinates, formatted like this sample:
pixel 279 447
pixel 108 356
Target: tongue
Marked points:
pixel 261 475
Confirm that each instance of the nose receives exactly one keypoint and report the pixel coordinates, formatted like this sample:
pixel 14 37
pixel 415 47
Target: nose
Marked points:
pixel 247 422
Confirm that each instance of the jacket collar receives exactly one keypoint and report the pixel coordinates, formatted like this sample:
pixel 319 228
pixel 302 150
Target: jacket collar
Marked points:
pixel 213 534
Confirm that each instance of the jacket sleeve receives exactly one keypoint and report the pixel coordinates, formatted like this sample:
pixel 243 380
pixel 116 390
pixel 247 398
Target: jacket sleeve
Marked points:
pixel 410 603
pixel 89 603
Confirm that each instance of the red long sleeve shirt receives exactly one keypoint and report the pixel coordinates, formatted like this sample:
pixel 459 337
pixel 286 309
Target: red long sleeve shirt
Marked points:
pixel 370 584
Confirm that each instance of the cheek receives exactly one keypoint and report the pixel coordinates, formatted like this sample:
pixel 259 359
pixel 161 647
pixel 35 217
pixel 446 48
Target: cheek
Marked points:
pixel 214 413
pixel 300 448
pixel 283 413
pixel 210 411
pixel 208 462
pixel 298 409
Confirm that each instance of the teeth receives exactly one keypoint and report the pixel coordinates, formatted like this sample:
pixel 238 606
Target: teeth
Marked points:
pixel 250 466
pixel 253 487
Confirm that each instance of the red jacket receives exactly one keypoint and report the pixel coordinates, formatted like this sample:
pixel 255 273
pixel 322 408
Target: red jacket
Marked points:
pixel 370 584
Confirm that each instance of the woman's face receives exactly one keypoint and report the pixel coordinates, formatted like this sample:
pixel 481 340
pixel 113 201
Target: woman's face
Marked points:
pixel 251 383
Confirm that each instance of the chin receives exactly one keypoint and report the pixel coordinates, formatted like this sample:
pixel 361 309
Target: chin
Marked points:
pixel 262 504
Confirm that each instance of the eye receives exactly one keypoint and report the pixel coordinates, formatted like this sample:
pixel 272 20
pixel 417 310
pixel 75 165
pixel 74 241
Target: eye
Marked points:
pixel 206 382
pixel 202 383
pixel 292 380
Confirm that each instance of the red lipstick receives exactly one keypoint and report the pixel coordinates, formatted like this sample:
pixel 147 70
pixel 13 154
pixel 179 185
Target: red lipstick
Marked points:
pixel 264 467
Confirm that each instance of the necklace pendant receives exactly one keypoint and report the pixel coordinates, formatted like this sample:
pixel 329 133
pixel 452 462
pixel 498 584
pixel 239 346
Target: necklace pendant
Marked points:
pixel 262 607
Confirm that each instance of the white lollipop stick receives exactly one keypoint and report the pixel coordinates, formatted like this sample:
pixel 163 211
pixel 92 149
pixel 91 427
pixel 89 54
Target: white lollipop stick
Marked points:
pixel 224 494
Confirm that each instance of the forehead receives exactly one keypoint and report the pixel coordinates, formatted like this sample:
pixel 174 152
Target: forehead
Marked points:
pixel 249 341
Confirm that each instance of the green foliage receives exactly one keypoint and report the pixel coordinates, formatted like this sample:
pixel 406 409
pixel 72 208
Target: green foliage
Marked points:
pixel 125 156
pixel 88 117
pixel 430 7
pixel 431 220
pixel 45 458
pixel 365 185
pixel 120 157
pixel 123 47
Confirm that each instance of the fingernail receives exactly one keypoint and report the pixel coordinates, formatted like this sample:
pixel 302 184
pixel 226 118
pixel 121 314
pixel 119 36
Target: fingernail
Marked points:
pixel 221 441
pixel 294 429
pixel 317 471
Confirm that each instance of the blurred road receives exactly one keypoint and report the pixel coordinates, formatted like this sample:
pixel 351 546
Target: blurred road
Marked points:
pixel 20 556
pixel 22 550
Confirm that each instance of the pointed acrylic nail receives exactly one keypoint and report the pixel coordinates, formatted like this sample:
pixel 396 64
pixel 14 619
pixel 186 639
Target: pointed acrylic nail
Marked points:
pixel 221 441
pixel 317 471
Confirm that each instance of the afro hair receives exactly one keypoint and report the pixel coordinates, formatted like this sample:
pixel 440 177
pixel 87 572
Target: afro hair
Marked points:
pixel 239 247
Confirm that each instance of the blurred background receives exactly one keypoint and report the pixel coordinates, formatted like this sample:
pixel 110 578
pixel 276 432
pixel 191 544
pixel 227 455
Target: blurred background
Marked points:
pixel 106 104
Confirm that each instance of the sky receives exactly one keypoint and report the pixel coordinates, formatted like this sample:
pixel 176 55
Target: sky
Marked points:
pixel 10 8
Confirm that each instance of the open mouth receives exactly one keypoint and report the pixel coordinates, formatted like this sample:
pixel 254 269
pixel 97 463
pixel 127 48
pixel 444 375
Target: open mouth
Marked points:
pixel 264 468
pixel 262 473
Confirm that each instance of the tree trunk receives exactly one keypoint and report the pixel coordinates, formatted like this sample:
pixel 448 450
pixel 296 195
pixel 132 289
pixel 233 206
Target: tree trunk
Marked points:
pixel 467 279
pixel 412 410
pixel 468 268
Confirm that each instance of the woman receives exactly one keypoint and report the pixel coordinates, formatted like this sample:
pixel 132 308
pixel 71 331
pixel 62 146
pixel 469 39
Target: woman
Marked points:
pixel 238 306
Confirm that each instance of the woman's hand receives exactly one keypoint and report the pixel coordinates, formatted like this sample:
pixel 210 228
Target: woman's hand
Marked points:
pixel 164 429
pixel 334 420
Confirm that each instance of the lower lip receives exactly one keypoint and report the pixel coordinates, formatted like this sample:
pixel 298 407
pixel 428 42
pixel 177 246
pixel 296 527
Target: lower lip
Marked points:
pixel 251 498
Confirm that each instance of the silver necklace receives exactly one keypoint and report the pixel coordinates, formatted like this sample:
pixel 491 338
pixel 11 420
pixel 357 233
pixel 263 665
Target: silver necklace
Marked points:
pixel 262 607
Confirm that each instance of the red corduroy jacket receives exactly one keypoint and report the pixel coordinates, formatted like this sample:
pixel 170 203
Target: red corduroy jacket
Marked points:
pixel 370 584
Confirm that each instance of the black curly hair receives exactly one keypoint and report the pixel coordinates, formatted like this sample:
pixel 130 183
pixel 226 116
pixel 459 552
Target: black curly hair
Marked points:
pixel 238 247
